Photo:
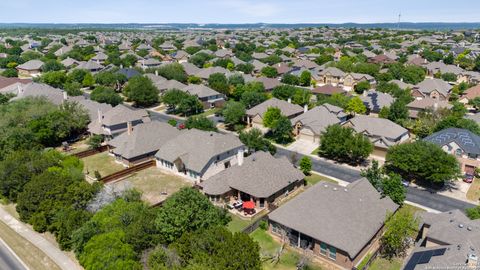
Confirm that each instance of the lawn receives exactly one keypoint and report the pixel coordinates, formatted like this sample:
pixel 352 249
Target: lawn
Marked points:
pixel 313 178
pixel 268 246
pixel 237 224
pixel 103 163
pixel 315 152
pixel 75 147
pixel 473 193
pixel 155 184
pixel 209 112
pixel 28 253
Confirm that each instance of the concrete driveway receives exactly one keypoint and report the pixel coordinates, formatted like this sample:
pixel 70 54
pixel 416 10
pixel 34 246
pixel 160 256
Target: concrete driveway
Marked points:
pixel 457 189
pixel 304 147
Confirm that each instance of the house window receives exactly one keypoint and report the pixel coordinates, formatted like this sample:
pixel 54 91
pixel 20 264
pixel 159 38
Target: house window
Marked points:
pixel 276 228
pixel 458 152
pixel 472 156
pixel 333 253
pixel 323 249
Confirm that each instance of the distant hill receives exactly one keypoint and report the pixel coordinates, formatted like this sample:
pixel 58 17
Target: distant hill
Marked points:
pixel 179 26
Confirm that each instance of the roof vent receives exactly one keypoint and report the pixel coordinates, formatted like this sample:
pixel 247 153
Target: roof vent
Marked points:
pixel 460 225
pixel 346 190
pixel 325 185
pixel 335 189
pixel 469 228
pixel 211 134
pixel 451 220
pixel 459 247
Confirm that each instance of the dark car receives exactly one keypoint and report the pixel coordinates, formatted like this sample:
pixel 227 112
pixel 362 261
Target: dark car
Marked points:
pixel 468 178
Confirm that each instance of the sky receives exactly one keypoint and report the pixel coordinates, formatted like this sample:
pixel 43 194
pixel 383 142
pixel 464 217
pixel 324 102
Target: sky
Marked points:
pixel 237 11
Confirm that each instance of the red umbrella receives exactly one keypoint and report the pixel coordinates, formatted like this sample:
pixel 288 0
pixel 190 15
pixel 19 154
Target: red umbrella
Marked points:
pixel 249 205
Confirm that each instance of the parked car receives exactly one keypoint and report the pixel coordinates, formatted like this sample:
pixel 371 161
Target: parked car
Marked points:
pixel 468 178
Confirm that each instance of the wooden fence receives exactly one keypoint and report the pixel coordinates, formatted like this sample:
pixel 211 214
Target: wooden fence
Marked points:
pixel 252 227
pixel 128 171
pixel 91 152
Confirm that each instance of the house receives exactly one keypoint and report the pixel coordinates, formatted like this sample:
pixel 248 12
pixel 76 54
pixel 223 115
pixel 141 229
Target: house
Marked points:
pixel 462 143
pixel 255 114
pixel 310 125
pixel 54 95
pixel 115 121
pixel 339 225
pixel 92 66
pixel 432 88
pixel 328 90
pixel 140 143
pixel 421 105
pixel 32 68
pixel 260 178
pixel 383 133
pixel 381 59
pixel 91 106
pixel 470 94
pixel 209 97
pixel 10 85
pixel 448 240
pixel 331 75
pixel 268 83
pixel 352 79
pixel 375 101
pixel 198 155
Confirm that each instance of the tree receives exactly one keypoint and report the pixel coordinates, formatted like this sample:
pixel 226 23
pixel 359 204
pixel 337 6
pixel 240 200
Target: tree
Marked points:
pixel 355 105
pixel 110 78
pixel 52 65
pixel 10 73
pixel 473 213
pixel 282 130
pixel 422 161
pixel 362 87
pixel 457 122
pixel 77 75
pixel 269 72
pixel 233 112
pixel 398 111
pixel 374 175
pixel 254 141
pixel 173 71
pixel 54 78
pixel 190 105
pixel 340 143
pixel 399 228
pixel 284 92
pixel 201 123
pixel 271 116
pixel 305 78
pixel 392 187
pixel 95 141
pixel 306 165
pixel 219 82
pixel 291 79
pixel 173 97
pixel 246 68
pixel 88 80
pixel 141 90
pixel 186 211
pixel 449 77
pixel 107 95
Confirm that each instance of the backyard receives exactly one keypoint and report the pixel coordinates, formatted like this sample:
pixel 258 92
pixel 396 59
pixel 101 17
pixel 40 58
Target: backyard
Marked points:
pixel 103 163
pixel 75 147
pixel 154 184
pixel 237 224
pixel 473 193
pixel 313 178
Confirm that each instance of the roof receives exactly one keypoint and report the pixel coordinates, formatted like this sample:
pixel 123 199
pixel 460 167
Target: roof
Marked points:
pixel 91 106
pixel 196 148
pixel 472 92
pixel 145 138
pixel 333 71
pixel 288 109
pixel 344 217
pixel 429 103
pixel 33 89
pixel 200 90
pixel 122 114
pixel 128 72
pixel 375 101
pixel 6 82
pixel 31 65
pixel 465 139
pixel 261 175
pixel 430 85
pixel 318 119
pixel 377 127
pixel 268 83
pixel 328 89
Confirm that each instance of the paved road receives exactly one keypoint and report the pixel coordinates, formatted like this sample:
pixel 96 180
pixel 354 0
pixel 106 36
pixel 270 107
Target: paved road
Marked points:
pixel 425 198
pixel 8 261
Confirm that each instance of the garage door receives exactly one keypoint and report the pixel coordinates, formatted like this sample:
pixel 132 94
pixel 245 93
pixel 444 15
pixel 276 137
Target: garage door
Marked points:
pixel 469 169
pixel 306 137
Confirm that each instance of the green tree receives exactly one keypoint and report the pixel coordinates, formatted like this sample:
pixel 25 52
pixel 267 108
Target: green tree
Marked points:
pixel 141 91
pixel 219 82
pixel 362 87
pixel 54 78
pixel 271 116
pixel 473 213
pixel 173 71
pixel 305 78
pixel 284 92
pixel 392 187
pixel 291 79
pixel 449 77
pixel 190 105
pixel 186 211
pixel 88 80
pixel 95 141
pixel 173 97
pixel 282 130
pixel 77 75
pixel 254 141
pixel 374 175
pixel 10 73
pixel 306 165
pixel 399 228
pixel 398 112
pixel 269 72
pixel 107 95
pixel 52 65
pixel 233 112
pixel 422 161
pixel 355 105
pixel 201 123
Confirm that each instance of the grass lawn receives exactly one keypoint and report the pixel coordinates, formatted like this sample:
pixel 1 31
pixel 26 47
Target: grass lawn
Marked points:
pixel 384 264
pixel 473 193
pixel 103 163
pixel 152 182
pixel 315 152
pixel 30 255
pixel 315 178
pixel 76 147
pixel 209 112
pixel 237 224
pixel 268 246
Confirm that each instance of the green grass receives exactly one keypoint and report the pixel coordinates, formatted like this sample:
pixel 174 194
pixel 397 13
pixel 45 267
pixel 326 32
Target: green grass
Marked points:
pixel 103 163
pixel 315 152
pixel 473 192
pixel 364 261
pixel 269 246
pixel 385 264
pixel 237 224
pixel 209 112
pixel 315 178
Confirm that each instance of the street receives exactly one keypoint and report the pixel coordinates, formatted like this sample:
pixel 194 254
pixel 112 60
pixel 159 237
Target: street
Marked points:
pixel 7 260
pixel 415 195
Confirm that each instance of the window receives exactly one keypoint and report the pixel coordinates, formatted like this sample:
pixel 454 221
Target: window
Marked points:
pixel 333 253
pixel 472 156
pixel 323 249
pixel 276 228
pixel 458 152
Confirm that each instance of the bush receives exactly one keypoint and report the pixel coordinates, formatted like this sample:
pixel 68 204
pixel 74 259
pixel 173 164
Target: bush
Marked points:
pixel 263 225
pixel 172 122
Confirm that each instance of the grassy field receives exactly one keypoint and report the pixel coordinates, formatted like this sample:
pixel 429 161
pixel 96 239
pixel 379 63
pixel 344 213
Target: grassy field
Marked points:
pixel 28 253
pixel 103 163
pixel 76 147
pixel 473 193
pixel 152 182
pixel 315 178
pixel 268 245
pixel 237 224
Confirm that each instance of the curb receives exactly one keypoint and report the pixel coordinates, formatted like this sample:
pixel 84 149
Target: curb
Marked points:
pixel 14 254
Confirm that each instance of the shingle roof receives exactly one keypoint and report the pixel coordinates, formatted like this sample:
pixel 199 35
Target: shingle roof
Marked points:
pixel 429 85
pixel 288 109
pixel 377 127
pixel 54 95
pixel 200 90
pixel 317 119
pixel 467 140
pixel 31 65
pixel 344 217
pixel 375 101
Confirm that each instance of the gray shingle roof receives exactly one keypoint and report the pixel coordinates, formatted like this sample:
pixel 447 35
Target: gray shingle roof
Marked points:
pixel 429 85
pixel 200 90
pixel 377 127
pixel 375 101
pixel 344 217
pixel 317 119
pixel 467 140
pixel 31 65
pixel 287 109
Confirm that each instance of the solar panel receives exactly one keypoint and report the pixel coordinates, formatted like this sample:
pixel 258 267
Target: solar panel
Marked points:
pixel 423 257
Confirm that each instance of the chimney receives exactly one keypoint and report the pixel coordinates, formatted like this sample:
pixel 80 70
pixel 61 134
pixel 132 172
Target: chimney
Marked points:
pixel 121 66
pixel 305 108
pixel 472 261
pixel 129 128
pixel 156 72
pixel 401 79
pixel 100 116
pixel 435 105
pixel 65 96
pixel 98 61
pixel 289 100
pixel 240 157
pixel 20 90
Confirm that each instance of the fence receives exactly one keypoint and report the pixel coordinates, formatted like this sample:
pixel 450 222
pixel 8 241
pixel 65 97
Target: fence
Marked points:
pixel 123 173
pixel 91 152
pixel 370 258
pixel 252 227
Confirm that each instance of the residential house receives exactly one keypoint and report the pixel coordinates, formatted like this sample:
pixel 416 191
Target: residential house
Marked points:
pixel 91 106
pixel 338 225
pixel 352 79
pixel 198 155
pixel 383 133
pixel 470 94
pixel 209 97
pixel 374 101
pixel 462 143
pixel 421 105
pixel 54 95
pixel 92 66
pixel 310 125
pixel 11 85
pixel 432 88
pixel 328 90
pixel 32 68
pixel 260 178
pixel 115 121
pixel 255 114
pixel 140 143
pixel 331 75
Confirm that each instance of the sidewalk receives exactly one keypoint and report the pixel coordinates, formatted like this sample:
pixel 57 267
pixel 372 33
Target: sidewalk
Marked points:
pixel 62 260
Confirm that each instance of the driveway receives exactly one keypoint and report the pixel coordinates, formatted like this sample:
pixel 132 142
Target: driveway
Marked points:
pixel 457 189
pixel 303 147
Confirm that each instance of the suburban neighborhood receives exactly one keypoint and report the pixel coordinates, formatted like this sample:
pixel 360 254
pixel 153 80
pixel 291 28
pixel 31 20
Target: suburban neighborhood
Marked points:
pixel 239 146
